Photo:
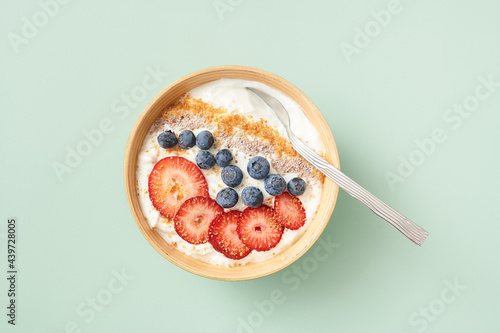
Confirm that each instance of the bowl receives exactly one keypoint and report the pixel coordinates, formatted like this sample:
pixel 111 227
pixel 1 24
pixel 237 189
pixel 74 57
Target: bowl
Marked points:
pixel 154 109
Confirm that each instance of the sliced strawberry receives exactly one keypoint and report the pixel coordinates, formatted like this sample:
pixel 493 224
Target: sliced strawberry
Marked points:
pixel 194 217
pixel 258 228
pixel 224 237
pixel 172 181
pixel 289 211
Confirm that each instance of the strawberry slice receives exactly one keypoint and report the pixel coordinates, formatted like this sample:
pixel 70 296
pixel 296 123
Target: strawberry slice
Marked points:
pixel 224 237
pixel 194 217
pixel 172 181
pixel 259 229
pixel 289 211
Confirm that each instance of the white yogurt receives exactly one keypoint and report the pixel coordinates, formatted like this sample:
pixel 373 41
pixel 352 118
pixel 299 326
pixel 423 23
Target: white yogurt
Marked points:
pixel 232 95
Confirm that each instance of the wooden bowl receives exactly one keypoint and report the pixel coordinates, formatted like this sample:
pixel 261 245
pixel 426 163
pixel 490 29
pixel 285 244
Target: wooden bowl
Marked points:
pixel 154 110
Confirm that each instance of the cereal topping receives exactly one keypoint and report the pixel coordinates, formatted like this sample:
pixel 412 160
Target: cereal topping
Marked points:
pixel 234 130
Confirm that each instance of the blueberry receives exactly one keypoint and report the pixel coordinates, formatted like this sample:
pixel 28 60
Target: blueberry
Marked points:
pixel 187 139
pixel 167 139
pixel 227 197
pixel 204 140
pixel 296 186
pixel 231 175
pixel 223 157
pixel 274 184
pixel 205 159
pixel 252 196
pixel 258 167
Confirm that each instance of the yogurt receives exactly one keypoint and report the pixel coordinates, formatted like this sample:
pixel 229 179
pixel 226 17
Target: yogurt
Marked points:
pixel 228 99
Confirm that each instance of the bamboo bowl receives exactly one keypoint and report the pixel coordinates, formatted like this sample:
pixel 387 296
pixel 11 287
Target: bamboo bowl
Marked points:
pixel 154 109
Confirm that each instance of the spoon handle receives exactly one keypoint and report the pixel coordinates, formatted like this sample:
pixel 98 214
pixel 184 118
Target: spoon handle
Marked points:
pixel 412 231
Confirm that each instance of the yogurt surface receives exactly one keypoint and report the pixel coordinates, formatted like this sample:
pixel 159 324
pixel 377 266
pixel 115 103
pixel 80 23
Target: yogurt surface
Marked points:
pixel 230 96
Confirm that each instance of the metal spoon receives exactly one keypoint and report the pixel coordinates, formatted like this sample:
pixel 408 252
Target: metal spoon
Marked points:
pixel 412 231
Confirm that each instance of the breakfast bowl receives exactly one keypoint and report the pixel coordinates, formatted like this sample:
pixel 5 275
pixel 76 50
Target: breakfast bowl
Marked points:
pixel 159 107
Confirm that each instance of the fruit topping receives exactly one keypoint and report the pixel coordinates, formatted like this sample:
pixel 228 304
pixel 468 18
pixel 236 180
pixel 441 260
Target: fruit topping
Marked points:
pixel 223 236
pixel 258 167
pixel 227 197
pixel 167 139
pixel 252 196
pixel 289 211
pixel 194 217
pixel 205 159
pixel 296 186
pixel 231 175
pixel 204 140
pixel 187 139
pixel 274 184
pixel 223 157
pixel 258 228
pixel 172 181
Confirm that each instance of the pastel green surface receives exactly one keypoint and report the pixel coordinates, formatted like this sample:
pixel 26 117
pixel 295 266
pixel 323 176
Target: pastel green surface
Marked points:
pixel 379 94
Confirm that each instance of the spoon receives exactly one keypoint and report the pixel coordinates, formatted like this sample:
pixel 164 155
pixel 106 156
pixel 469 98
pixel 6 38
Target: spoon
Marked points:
pixel 412 231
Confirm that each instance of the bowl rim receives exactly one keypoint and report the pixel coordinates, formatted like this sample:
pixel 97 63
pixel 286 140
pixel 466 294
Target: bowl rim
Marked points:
pixel 153 237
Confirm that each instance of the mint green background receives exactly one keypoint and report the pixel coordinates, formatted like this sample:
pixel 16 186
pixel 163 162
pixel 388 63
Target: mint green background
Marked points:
pixel 74 234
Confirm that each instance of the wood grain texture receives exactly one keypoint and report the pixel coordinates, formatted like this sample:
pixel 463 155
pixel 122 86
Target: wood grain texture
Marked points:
pixel 154 109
